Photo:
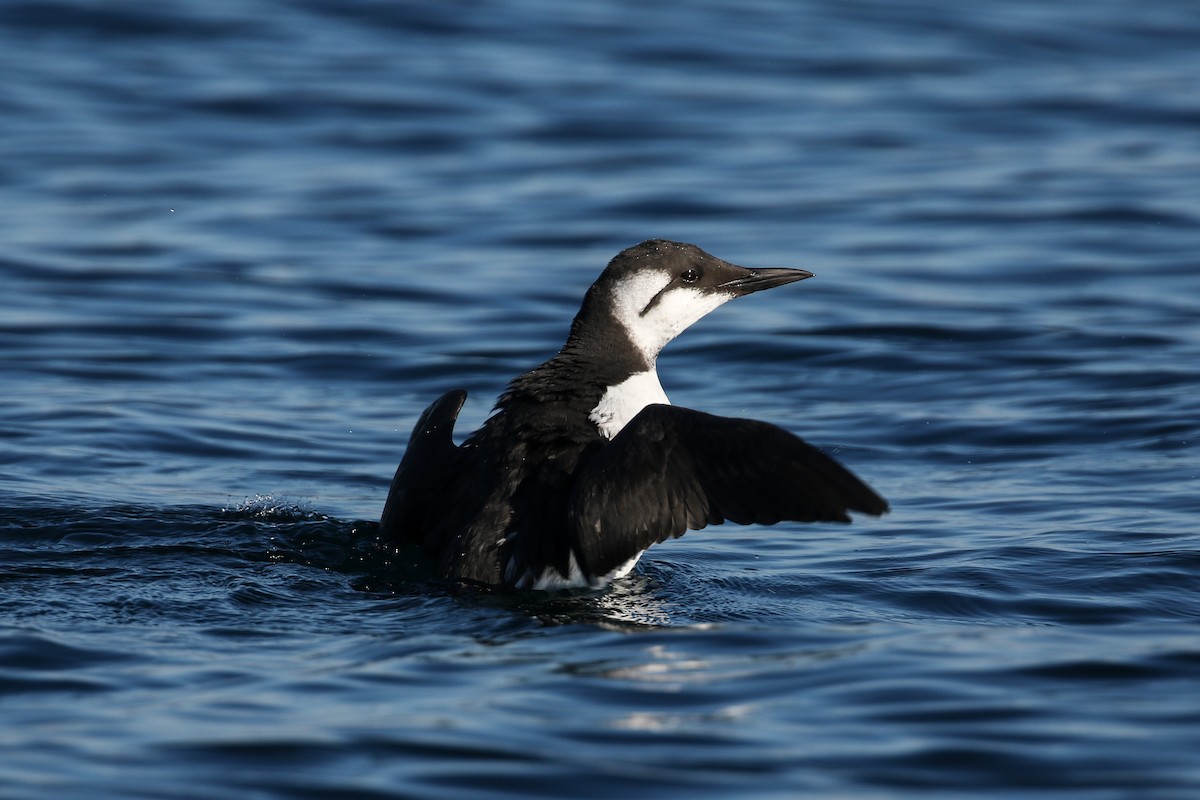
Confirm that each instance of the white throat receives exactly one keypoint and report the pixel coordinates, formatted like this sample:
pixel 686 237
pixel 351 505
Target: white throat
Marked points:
pixel 621 402
pixel 654 315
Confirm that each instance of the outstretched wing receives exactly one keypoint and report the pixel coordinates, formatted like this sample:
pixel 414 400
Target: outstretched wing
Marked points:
pixel 672 469
pixel 431 450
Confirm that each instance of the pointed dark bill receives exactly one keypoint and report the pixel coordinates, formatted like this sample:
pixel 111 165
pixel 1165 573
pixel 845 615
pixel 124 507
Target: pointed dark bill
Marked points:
pixel 756 280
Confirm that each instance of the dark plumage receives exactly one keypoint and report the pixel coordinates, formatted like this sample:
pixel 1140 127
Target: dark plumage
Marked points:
pixel 584 464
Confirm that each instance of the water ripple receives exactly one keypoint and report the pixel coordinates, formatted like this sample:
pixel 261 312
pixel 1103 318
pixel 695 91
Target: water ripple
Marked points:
pixel 247 243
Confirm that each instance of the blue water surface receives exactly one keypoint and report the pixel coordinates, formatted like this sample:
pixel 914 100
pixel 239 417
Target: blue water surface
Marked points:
pixel 245 243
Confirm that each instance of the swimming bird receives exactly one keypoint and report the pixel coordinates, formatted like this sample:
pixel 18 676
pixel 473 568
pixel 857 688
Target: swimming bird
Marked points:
pixel 584 463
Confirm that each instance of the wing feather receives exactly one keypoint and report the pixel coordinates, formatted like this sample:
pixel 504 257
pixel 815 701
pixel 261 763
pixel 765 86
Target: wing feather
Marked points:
pixel 673 469
pixel 431 450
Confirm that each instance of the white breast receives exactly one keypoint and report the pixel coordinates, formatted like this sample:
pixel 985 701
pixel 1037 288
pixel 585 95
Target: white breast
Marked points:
pixel 622 402
pixel 551 580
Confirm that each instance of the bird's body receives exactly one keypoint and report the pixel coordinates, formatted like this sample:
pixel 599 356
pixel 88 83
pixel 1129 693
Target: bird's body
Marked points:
pixel 585 464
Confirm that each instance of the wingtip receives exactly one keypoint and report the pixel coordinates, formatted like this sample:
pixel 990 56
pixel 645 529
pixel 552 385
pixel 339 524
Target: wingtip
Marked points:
pixel 874 506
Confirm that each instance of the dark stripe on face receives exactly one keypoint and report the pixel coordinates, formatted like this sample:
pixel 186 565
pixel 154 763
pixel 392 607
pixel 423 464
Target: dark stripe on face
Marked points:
pixel 654 300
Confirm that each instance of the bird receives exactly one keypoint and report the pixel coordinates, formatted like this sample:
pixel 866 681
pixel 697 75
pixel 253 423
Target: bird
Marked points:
pixel 584 463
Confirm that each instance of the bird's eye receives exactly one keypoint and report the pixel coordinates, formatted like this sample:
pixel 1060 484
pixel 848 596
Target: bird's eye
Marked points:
pixel 690 276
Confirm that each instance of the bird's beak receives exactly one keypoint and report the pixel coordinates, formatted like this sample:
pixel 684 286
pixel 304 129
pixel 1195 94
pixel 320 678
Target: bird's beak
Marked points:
pixel 756 280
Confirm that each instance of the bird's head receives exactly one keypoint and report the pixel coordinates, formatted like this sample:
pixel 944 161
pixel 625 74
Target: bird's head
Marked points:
pixel 657 289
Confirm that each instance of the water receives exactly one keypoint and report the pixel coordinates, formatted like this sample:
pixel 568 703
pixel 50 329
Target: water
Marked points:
pixel 245 243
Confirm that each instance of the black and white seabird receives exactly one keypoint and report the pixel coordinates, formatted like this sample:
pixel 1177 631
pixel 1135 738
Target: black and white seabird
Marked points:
pixel 585 463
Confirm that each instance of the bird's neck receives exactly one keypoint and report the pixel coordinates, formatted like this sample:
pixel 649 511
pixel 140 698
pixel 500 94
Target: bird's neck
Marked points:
pixel 598 378
pixel 600 343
